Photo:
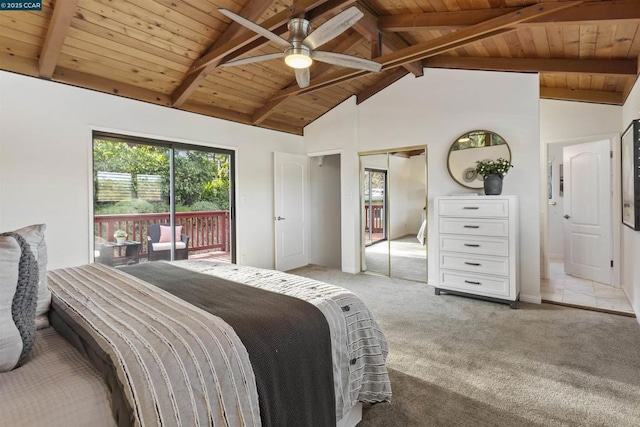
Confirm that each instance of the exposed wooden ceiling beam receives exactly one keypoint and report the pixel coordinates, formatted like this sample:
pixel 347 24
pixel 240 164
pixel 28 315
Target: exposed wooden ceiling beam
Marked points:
pixel 244 42
pixel 101 84
pixel 269 107
pixel 437 46
pixel 368 27
pixel 56 33
pixel 390 78
pixel 600 97
pixel 610 67
pixel 587 13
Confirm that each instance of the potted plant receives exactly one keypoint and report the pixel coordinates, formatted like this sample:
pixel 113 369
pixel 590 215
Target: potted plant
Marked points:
pixel 120 236
pixel 493 171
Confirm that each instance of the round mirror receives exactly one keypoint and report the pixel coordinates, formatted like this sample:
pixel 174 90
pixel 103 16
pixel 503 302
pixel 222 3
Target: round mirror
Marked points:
pixel 471 147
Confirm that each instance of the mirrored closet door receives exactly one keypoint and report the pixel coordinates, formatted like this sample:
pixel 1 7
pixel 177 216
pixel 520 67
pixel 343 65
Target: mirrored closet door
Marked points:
pixel 393 213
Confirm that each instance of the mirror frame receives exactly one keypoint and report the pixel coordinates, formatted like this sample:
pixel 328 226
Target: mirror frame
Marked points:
pixel 480 184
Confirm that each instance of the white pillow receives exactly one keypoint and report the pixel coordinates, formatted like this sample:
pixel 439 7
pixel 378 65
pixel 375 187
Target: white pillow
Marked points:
pixel 34 235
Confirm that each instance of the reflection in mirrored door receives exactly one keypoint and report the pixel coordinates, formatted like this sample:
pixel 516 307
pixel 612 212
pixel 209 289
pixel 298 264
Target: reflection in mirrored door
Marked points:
pixel 394 202
pixel 407 214
pixel 375 183
pixel 374 206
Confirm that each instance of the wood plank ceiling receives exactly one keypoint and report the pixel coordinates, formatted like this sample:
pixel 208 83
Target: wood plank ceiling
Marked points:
pixel 168 52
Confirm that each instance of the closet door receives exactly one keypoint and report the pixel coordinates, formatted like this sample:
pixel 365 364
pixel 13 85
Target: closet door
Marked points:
pixel 407 215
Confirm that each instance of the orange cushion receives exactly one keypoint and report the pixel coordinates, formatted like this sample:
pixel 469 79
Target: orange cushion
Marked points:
pixel 165 233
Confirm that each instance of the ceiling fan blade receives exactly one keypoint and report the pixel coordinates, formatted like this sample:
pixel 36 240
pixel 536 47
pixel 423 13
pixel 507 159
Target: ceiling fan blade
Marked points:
pixel 252 59
pixel 346 61
pixel 255 28
pixel 302 77
pixel 333 27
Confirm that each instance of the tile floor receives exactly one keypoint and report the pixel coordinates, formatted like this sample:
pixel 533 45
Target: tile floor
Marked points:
pixel 561 287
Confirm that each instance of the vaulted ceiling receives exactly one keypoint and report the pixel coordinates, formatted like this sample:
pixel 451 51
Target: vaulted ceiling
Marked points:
pixel 169 52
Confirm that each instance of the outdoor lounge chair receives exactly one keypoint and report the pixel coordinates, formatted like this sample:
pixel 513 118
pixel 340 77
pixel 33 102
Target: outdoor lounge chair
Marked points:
pixel 158 250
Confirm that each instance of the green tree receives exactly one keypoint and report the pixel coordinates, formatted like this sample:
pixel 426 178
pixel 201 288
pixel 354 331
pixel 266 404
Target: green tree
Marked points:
pixel 134 159
pixel 200 176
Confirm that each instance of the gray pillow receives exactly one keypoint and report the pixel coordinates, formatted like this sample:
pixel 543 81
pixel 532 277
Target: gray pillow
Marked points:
pixel 18 300
pixel 34 235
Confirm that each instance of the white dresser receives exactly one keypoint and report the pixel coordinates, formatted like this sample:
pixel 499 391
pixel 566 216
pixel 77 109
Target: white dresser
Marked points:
pixel 477 249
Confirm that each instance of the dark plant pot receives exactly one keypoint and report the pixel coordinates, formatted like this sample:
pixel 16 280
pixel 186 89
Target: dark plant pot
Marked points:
pixel 493 184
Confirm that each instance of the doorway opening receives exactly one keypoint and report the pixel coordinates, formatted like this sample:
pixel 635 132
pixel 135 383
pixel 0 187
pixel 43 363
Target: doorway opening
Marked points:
pixel 326 208
pixel 580 226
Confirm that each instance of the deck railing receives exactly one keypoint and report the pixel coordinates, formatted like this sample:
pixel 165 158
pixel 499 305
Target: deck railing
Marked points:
pixel 378 218
pixel 208 230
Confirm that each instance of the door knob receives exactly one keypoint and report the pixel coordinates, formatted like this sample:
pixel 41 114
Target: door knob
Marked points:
pixel 567 216
pixel 279 218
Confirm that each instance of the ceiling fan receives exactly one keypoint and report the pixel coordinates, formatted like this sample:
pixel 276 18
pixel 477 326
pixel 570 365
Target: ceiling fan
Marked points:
pixel 300 50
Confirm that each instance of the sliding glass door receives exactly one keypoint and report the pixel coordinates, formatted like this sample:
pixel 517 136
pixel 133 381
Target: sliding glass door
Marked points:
pixel 156 200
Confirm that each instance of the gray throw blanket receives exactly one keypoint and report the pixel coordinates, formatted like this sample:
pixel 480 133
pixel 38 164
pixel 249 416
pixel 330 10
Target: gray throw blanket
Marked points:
pixel 287 339
pixel 23 305
pixel 359 348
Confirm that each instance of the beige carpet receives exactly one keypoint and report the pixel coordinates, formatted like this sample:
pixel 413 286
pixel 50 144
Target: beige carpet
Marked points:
pixel 408 258
pixel 456 361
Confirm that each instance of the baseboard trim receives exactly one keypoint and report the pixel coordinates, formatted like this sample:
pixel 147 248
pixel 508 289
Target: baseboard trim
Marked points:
pixel 533 299
pixel 599 310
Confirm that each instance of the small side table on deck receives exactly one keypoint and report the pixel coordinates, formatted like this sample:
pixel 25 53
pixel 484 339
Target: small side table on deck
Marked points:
pixel 131 255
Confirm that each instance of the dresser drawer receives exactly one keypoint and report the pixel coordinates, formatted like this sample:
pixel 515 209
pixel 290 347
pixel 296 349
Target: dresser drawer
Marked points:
pixel 475 284
pixel 474 208
pixel 475 263
pixel 475 244
pixel 475 227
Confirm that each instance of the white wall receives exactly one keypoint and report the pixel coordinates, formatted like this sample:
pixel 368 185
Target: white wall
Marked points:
pixel 434 110
pixel 416 192
pixel 325 211
pixel 631 238
pixel 45 152
pixel 399 207
pixel 563 120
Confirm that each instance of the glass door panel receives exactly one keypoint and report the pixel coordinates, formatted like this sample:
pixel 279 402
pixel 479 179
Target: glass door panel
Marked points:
pixel 131 191
pixel 203 204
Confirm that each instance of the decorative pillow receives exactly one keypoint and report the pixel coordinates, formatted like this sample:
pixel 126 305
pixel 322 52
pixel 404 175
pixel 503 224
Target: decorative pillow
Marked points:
pixel 165 233
pixel 34 235
pixel 18 300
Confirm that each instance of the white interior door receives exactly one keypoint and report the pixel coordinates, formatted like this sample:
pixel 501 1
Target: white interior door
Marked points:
pixel 587 211
pixel 292 210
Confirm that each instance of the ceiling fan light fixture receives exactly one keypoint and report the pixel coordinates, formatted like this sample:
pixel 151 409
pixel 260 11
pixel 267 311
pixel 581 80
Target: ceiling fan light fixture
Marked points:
pixel 298 57
pixel 296 60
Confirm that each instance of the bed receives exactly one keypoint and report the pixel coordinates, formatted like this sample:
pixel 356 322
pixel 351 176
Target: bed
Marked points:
pixel 198 342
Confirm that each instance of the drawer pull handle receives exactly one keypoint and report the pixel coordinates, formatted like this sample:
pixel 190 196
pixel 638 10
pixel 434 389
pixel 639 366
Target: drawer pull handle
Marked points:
pixel 471 245
pixel 472 283
pixel 471 207
pixel 471 226
pixel 477 264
